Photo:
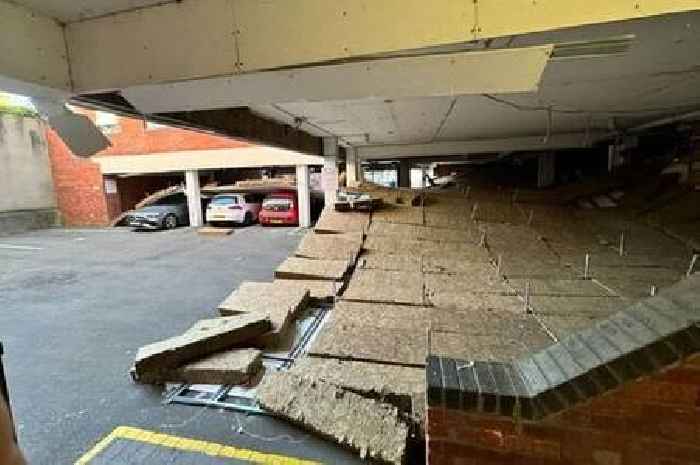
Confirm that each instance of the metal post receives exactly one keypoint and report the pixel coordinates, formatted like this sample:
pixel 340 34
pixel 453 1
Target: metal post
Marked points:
pixel 587 267
pixel 527 296
pixel 622 243
pixel 652 291
pixel 474 210
pixel 499 264
pixel 482 243
pixel 530 217
pixel 466 193
pixel 692 264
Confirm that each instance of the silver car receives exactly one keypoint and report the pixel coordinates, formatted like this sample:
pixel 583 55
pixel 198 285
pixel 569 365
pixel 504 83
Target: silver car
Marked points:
pixel 167 213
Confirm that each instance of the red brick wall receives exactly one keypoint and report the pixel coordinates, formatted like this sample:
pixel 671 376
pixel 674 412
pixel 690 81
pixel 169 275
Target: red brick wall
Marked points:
pixel 651 422
pixel 78 184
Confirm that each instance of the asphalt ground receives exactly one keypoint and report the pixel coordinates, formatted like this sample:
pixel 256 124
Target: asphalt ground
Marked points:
pixel 75 305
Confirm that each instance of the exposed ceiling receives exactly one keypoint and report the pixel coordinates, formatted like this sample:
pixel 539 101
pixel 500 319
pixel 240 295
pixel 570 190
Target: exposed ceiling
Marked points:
pixel 659 75
pixel 68 11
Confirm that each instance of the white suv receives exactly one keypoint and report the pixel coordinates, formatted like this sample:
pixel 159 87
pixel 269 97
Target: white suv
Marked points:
pixel 236 208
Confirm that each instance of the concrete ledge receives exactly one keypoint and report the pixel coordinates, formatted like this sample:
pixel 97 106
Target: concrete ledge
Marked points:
pixel 15 222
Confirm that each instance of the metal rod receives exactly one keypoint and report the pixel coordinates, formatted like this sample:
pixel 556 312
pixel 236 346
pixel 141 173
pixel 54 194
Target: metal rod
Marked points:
pixel 622 243
pixel 652 291
pixel 530 217
pixel 692 264
pixel 466 194
pixel 587 267
pixel 474 210
pixel 527 296
pixel 514 197
pixel 482 243
pixel 498 264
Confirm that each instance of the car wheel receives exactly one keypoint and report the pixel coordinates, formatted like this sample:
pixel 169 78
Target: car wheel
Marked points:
pixel 170 221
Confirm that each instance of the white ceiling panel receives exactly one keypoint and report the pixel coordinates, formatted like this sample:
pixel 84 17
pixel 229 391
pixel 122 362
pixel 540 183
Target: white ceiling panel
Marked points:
pixel 75 10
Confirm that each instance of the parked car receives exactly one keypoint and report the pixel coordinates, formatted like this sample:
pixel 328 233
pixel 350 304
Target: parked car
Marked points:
pixel 167 213
pixel 236 208
pixel 280 208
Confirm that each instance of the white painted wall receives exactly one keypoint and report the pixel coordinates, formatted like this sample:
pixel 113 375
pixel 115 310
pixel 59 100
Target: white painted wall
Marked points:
pixel 25 174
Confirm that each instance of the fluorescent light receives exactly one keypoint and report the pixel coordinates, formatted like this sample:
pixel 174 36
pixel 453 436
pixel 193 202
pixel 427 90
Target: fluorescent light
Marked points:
pixel 616 45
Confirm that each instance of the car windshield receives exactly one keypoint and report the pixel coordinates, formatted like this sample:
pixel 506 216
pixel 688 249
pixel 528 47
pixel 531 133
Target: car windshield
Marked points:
pixel 224 200
pixel 277 202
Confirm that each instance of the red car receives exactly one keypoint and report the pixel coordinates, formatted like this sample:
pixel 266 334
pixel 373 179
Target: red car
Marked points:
pixel 279 208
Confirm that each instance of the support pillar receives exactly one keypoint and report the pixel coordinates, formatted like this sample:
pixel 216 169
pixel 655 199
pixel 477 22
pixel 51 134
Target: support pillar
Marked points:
pixel 329 174
pixel 545 169
pixel 194 197
pixel 405 174
pixel 352 167
pixel 304 196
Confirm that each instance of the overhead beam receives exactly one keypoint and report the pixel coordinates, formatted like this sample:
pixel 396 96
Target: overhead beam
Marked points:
pixel 33 58
pixel 479 146
pixel 466 73
pixel 191 39
pixel 231 122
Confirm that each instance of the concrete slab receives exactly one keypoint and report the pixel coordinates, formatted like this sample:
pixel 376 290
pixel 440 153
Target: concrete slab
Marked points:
pixel 367 426
pixel 205 338
pixel 400 287
pixel 306 268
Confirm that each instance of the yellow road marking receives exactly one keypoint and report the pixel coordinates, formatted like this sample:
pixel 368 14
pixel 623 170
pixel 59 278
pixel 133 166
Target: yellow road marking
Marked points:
pixel 189 445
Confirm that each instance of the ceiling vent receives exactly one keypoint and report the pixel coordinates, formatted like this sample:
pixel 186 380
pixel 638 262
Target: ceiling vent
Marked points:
pixel 617 45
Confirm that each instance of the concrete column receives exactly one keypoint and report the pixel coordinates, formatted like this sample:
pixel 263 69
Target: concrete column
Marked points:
pixel 352 167
pixel 304 196
pixel 194 197
pixel 405 173
pixel 329 174
pixel 545 169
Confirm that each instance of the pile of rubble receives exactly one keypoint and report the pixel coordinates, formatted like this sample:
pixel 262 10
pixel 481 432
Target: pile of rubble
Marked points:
pixel 473 275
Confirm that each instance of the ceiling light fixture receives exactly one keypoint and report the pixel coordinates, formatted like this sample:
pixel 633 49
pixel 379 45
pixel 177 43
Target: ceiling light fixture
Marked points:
pixel 616 45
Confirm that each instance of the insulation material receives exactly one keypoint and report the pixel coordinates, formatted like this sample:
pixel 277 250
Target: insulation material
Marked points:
pixel 417 232
pixel 305 268
pixel 367 426
pixel 401 287
pixel 576 306
pixel 635 283
pixel 371 344
pixel 494 347
pixel 318 290
pixel 456 291
pixel 562 326
pixel 560 287
pixel 460 220
pixel 505 316
pixel 235 366
pixel 212 231
pixel 499 212
pixel 475 262
pixel 378 261
pixel 535 267
pixel 330 246
pixel 373 379
pixel 395 214
pixel 205 338
pixel 257 297
pixel 332 221
pixel 402 246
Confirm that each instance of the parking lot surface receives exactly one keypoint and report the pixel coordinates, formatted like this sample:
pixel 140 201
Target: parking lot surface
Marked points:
pixel 75 305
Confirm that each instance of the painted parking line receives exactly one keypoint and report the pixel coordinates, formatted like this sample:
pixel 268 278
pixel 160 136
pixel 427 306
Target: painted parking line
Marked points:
pixel 136 442
pixel 19 247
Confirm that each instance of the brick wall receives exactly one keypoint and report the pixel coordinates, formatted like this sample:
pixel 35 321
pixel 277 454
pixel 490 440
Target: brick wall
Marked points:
pixel 655 421
pixel 79 184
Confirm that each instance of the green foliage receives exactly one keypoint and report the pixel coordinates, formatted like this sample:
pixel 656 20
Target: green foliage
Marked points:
pixel 7 106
